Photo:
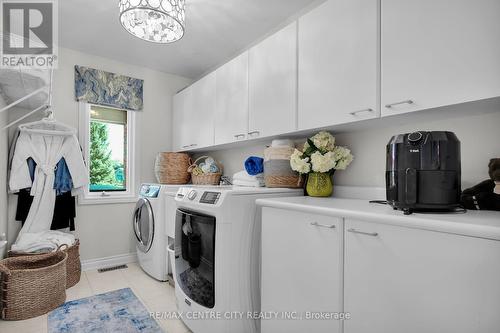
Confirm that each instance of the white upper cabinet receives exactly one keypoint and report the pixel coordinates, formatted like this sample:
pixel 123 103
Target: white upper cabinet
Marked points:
pixel 439 52
pixel 407 280
pixel 338 58
pixel 272 84
pixel 231 113
pixel 181 122
pixel 201 115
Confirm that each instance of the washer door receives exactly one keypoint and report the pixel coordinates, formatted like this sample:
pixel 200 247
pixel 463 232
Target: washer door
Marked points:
pixel 144 224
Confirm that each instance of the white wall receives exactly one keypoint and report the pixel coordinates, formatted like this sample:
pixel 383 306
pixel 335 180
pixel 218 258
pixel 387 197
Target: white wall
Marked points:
pixel 3 170
pixel 105 230
pixel 476 125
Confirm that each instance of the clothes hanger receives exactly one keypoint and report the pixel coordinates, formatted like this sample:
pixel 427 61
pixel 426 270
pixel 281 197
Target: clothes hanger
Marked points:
pixel 47 126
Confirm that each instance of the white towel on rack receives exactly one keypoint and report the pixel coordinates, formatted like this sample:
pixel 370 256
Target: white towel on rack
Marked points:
pixel 47 240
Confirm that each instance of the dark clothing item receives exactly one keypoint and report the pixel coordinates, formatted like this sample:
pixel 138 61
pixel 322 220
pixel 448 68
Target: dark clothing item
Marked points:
pixel 64 209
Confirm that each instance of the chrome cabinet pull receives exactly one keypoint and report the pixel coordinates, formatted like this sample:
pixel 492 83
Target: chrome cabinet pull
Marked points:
pixel 374 234
pixel 408 101
pixel 190 146
pixel 254 132
pixel 331 226
pixel 359 111
pixel 237 136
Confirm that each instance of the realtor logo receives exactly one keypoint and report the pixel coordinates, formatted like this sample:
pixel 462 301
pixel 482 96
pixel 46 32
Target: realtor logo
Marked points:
pixel 29 33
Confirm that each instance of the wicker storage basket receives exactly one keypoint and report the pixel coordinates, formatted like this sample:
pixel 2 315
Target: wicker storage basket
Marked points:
pixel 171 168
pixel 277 170
pixel 73 264
pixel 206 178
pixel 32 285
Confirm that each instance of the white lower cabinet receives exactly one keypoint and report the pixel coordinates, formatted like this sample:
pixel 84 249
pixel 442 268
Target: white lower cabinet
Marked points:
pixel 301 270
pixel 407 280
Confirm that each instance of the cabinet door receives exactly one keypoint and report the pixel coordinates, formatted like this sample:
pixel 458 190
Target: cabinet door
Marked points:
pixel 201 116
pixel 439 52
pixel 338 58
pixel 272 82
pixel 180 120
pixel 414 281
pixel 301 269
pixel 231 113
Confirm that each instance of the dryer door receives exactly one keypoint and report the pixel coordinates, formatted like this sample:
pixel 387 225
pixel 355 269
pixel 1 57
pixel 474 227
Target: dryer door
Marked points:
pixel 144 224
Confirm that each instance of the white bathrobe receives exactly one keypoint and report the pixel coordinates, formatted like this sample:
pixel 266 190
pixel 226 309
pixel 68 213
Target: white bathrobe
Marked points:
pixel 46 151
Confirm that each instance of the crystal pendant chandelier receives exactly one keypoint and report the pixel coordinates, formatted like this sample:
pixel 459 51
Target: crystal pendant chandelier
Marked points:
pixel 158 21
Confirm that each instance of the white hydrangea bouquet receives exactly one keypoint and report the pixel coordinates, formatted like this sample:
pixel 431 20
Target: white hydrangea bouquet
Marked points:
pixel 319 159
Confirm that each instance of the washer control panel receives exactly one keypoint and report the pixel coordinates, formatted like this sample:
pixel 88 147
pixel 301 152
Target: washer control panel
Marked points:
pixel 209 197
pixel 192 195
pixel 150 191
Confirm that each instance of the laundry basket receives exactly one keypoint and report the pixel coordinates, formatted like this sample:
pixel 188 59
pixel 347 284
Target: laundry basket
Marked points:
pixel 277 169
pixel 73 264
pixel 200 178
pixel 171 168
pixel 32 285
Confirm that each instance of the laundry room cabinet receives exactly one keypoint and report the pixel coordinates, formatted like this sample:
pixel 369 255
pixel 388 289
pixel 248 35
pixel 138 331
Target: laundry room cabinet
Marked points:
pixel 231 113
pixel 193 116
pixel 301 270
pixel 181 123
pixel 409 280
pixel 438 52
pixel 338 59
pixel 273 84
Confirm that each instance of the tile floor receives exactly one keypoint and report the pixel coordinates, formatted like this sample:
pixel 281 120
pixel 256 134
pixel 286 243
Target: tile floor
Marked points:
pixel 156 296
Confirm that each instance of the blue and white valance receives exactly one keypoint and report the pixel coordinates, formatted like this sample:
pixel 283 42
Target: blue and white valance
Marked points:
pixel 108 89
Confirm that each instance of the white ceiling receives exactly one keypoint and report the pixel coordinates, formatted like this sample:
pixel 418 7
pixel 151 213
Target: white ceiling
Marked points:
pixel 216 30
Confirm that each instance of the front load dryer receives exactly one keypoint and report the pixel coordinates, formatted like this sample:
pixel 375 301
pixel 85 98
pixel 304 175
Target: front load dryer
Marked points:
pixel 149 222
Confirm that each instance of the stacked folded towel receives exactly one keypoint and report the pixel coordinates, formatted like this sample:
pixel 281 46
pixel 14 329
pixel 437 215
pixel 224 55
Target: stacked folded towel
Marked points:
pixel 242 178
pixel 45 241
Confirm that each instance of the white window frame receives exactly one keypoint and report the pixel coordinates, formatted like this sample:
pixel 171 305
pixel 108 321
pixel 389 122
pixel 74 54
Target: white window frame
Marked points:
pixel 109 197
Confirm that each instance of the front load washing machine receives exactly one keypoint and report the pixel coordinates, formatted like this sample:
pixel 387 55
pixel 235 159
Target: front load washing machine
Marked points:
pixel 217 256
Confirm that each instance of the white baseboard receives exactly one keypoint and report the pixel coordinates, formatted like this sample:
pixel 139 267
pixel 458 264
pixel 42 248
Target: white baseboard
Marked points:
pixel 120 259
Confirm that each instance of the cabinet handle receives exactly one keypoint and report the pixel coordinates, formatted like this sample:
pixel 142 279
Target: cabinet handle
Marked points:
pixel 408 101
pixel 359 111
pixel 189 146
pixel 254 132
pixel 331 226
pixel 186 146
pixel 237 136
pixel 374 234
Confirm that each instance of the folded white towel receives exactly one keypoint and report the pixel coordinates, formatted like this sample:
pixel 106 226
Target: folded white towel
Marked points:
pixel 255 183
pixel 244 176
pixel 36 241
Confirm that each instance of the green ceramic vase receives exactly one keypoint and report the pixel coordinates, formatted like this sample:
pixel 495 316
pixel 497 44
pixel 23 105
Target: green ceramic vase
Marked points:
pixel 319 184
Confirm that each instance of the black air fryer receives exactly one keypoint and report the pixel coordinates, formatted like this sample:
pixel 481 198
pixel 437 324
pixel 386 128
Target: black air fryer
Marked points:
pixel 423 171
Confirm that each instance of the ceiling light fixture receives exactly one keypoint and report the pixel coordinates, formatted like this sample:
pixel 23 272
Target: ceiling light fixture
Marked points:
pixel 158 21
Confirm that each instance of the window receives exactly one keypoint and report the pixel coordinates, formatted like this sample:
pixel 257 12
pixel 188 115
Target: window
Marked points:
pixel 107 137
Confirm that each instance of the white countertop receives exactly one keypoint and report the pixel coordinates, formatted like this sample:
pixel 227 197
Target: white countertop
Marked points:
pixel 483 224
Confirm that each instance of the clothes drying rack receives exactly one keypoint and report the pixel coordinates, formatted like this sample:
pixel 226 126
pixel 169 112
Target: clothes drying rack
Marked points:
pixel 47 107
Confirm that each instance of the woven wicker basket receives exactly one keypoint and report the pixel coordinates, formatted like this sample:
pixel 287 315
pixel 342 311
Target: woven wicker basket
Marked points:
pixel 207 178
pixel 32 285
pixel 73 264
pixel 171 168
pixel 277 170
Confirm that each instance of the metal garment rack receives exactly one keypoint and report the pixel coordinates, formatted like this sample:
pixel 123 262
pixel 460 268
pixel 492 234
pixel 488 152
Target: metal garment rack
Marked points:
pixel 46 107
